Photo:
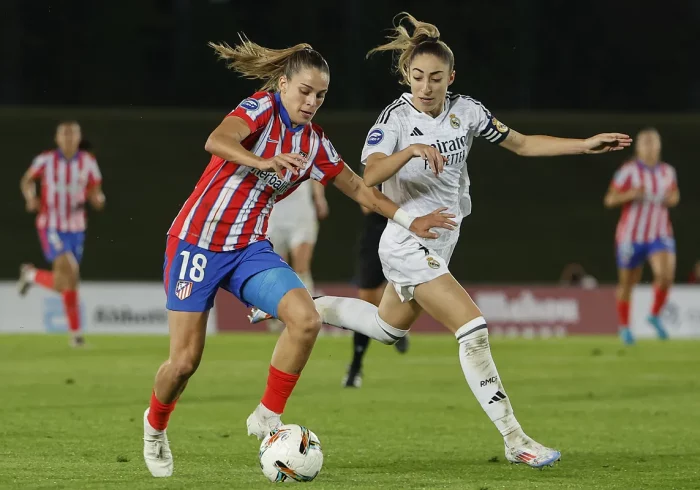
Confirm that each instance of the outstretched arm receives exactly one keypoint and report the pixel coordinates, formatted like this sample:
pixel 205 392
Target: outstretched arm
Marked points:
pixel 542 145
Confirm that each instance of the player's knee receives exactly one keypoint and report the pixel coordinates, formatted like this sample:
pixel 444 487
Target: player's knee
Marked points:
pixel 184 365
pixel 664 282
pixel 305 323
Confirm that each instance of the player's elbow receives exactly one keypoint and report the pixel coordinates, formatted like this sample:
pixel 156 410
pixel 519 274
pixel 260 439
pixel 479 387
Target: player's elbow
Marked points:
pixel 609 201
pixel 210 145
pixel 370 176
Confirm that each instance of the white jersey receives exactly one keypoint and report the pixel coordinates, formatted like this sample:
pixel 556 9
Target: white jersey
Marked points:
pixel 415 188
pixel 296 208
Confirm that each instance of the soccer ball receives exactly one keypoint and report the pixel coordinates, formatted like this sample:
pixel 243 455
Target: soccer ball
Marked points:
pixel 291 453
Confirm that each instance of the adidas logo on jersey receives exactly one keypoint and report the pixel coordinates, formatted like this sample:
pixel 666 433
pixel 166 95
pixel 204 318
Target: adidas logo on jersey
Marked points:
pixel 416 132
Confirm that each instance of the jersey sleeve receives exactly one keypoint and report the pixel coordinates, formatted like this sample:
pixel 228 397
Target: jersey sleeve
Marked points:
pixel 622 180
pixel 484 124
pixel 327 162
pixel 94 176
pixel 256 110
pixel 38 165
pixel 383 137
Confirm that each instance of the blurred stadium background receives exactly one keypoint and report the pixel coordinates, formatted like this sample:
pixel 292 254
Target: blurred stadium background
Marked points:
pixel 147 91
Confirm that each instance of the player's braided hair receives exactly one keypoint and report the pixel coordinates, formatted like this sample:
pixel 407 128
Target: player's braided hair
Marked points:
pixel 425 39
pixel 257 62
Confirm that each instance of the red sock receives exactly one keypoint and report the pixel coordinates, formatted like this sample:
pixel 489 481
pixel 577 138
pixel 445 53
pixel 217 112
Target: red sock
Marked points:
pixel 623 313
pixel 44 278
pixel 279 388
pixel 70 303
pixel 660 296
pixel 159 413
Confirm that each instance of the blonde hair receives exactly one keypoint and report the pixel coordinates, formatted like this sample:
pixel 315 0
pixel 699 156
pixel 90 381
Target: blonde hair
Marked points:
pixel 257 62
pixel 425 39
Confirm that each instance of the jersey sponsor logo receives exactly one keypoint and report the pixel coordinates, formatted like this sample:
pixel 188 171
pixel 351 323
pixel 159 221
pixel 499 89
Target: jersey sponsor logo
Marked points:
pixel 432 263
pixel 183 289
pixel 375 137
pixel 250 104
pixel 502 128
pixel 271 179
pixel 455 150
pixel 454 121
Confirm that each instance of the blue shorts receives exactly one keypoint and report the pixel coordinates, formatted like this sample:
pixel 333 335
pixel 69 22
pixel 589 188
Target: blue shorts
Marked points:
pixel 255 275
pixel 632 255
pixel 55 243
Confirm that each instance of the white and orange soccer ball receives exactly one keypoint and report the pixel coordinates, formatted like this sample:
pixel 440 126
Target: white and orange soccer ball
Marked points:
pixel 291 453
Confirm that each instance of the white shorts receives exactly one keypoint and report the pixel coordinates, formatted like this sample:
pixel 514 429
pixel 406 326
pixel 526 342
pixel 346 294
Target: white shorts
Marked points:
pixel 287 236
pixel 407 263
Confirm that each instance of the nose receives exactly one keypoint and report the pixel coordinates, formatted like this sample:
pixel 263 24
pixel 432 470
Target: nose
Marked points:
pixel 426 88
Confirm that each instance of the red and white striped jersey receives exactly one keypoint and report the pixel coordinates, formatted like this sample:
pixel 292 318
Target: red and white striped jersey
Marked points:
pixel 231 203
pixel 64 186
pixel 646 220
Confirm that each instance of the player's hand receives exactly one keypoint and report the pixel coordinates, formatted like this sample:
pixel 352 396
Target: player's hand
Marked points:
pixel 636 194
pixel 284 161
pixel 437 219
pixel 33 205
pixel 322 209
pixel 605 142
pixel 431 155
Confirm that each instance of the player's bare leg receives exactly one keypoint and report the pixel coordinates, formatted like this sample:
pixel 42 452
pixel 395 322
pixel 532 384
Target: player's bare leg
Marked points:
pixel 627 279
pixel 63 278
pixel 445 299
pixel 187 337
pixel 302 256
pixel 302 324
pixel 663 265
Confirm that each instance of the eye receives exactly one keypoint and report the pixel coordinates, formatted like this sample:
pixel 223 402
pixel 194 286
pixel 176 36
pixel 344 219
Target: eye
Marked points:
pixel 437 80
pixel 418 79
pixel 305 91
pixel 321 96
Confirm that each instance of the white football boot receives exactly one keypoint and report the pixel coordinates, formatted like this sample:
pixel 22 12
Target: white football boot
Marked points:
pixel 156 450
pixel 532 453
pixel 24 282
pixel 257 315
pixel 262 421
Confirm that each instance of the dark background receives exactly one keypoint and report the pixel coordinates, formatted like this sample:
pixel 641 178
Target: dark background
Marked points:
pixel 147 90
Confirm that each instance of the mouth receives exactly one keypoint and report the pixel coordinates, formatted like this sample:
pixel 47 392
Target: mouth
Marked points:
pixel 306 114
pixel 426 100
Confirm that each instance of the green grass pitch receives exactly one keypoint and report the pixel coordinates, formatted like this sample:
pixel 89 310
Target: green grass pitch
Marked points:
pixel 624 418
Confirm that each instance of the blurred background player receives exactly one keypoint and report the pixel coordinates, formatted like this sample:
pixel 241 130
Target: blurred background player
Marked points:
pixel 293 229
pixel 371 283
pixel 69 177
pixel 645 188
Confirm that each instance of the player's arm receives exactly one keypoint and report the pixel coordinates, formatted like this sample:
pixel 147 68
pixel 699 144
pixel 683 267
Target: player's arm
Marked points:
pixel 544 146
pixel 96 197
pixel 380 167
pixel 615 197
pixel 318 192
pixel 672 198
pixel 225 142
pixel 350 184
pixel 27 185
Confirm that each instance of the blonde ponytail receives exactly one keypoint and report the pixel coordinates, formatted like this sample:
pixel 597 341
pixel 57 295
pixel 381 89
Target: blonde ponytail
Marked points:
pixel 257 62
pixel 425 38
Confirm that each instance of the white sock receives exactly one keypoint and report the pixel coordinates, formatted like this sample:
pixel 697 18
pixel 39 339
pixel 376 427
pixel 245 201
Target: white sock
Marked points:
pixel 308 281
pixel 483 379
pixel 358 316
pixel 31 275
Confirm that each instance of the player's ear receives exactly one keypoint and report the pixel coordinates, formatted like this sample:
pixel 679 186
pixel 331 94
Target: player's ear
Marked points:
pixel 283 84
pixel 451 79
